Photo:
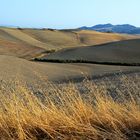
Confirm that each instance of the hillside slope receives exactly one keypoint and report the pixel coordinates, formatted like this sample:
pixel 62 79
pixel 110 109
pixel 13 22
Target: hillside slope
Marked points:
pixel 117 52
pixel 30 43
pixel 33 73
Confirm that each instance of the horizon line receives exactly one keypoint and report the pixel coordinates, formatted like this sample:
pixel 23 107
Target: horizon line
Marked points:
pixel 26 27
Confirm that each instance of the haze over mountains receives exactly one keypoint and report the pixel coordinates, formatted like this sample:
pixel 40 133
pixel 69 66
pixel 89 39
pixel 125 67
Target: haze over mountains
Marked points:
pixel 108 28
pixel 124 28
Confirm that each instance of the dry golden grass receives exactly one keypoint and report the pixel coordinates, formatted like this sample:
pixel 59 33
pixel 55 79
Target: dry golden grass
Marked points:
pixel 66 113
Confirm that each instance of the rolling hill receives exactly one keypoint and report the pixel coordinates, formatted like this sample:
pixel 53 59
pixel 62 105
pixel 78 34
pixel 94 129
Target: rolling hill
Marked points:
pixel 17 45
pixel 38 74
pixel 127 52
pixel 30 43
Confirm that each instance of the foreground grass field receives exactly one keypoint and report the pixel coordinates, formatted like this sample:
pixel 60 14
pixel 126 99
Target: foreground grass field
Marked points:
pixel 89 111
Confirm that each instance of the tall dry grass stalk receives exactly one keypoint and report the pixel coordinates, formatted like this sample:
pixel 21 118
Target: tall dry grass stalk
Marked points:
pixel 69 114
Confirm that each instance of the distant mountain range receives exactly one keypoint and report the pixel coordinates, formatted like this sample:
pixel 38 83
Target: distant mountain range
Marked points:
pixel 124 28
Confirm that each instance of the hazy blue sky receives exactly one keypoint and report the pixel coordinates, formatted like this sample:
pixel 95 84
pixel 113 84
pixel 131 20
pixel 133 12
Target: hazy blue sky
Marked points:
pixel 68 13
